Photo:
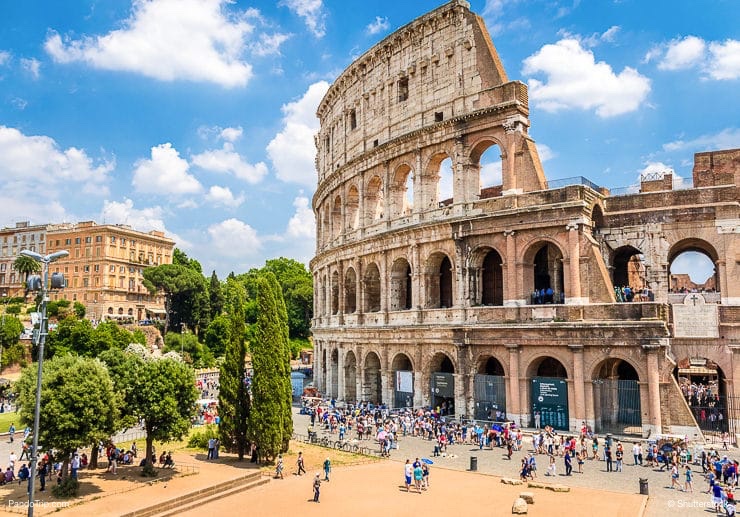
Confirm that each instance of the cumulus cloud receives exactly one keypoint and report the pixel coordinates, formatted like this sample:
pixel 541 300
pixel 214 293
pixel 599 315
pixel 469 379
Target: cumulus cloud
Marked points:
pixel 165 173
pixel 380 24
pixel 31 67
pixel 144 220
pixel 4 57
pixel 227 160
pixel 292 150
pixel 269 44
pixel 302 224
pixel 683 53
pixel 234 238
pixel 714 59
pixel 168 40
pixel 312 12
pixel 656 170
pixel 231 134
pixel 574 80
pixel 610 34
pixel 728 138
pixel 222 196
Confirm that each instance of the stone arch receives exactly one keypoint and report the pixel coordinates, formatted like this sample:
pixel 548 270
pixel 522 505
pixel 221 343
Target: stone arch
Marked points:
pixel 543 270
pixel 374 200
pixel 336 217
pixel 326 225
pixel 440 280
pixel 490 365
pixel 353 208
pixel 702 247
pixel 350 291
pixel 628 269
pixel 335 292
pixel 547 366
pixel 324 369
pixel 702 379
pixel 334 368
pixel 401 285
pixel 402 361
pixel 402 371
pixel 489 387
pixel 597 219
pixel 488 163
pixel 371 281
pixel 616 397
pixel 372 387
pixel 489 277
pixel 431 178
pixel 350 377
pixel 442 370
pixel 401 198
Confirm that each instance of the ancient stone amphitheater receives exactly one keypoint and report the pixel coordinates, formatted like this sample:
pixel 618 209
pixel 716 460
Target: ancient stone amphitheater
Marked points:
pixel 499 300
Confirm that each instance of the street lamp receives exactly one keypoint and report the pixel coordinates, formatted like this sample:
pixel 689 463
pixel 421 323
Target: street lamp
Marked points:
pixel 41 338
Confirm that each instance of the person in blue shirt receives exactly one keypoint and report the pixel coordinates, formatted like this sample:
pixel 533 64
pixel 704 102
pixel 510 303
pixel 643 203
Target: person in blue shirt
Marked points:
pixel 717 497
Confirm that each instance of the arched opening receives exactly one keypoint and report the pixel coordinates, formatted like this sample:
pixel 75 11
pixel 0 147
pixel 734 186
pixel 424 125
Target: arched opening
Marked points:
pixel 490 390
pixel 597 220
pixel 492 279
pixel 402 192
pixel 400 285
pixel 350 291
pixel 547 268
pixel 692 269
pixel 372 288
pixel 703 385
pixel 336 217
pixel 629 274
pixel 324 368
pixel 334 292
pixel 439 285
pixel 443 384
pixel 350 377
pixel 334 367
pixel 325 309
pixel 617 398
pixel 445 283
pixel 353 208
pixel 374 202
pixel 445 183
pixel 488 157
pixel 549 393
pixel 403 379
pixel 371 382
pixel 326 225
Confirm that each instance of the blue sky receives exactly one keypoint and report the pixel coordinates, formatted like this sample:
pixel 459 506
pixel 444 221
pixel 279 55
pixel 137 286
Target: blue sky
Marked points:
pixel 197 117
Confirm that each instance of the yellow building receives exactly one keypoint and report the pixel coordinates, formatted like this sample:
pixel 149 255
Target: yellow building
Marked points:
pixel 13 239
pixel 104 268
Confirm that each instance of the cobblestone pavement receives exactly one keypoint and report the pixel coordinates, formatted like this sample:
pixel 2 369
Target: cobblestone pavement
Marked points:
pixel 663 500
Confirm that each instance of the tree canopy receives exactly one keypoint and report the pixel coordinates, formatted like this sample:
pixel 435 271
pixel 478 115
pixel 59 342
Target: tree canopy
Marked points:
pixel 185 291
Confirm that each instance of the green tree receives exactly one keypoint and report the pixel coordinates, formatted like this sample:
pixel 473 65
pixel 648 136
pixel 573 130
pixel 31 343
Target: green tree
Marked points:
pixel 78 404
pixel 270 418
pixel 181 258
pixel 163 395
pixel 185 292
pixel 234 400
pixel 192 351
pixel 26 266
pixel 216 296
pixel 10 333
pixel 217 335
pixel 80 310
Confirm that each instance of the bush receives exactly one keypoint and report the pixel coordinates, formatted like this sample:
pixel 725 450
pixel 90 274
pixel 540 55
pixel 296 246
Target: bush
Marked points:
pixel 13 309
pixel 67 488
pixel 199 439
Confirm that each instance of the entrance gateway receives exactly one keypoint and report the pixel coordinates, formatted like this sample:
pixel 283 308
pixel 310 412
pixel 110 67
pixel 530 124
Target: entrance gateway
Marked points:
pixel 490 397
pixel 403 396
pixel 443 392
pixel 549 398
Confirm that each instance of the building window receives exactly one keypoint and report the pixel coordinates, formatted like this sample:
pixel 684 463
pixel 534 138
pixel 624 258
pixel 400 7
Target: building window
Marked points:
pixel 439 116
pixel 123 241
pixel 78 240
pixel 88 239
pixel 353 119
pixel 403 89
pixel 113 269
pixel 67 242
pixel 87 269
pixel 113 240
pixel 98 238
pixel 97 268
pixel 77 269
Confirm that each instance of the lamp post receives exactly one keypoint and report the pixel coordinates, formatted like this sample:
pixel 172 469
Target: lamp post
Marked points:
pixel 45 261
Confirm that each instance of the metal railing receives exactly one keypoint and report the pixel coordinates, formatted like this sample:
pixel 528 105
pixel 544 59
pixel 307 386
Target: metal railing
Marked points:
pixel 329 443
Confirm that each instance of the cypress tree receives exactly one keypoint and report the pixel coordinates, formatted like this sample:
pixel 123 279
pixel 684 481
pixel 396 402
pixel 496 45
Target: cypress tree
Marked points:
pixel 270 419
pixel 233 398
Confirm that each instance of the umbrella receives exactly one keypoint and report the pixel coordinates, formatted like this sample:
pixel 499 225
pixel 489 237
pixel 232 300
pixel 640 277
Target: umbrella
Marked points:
pixel 427 461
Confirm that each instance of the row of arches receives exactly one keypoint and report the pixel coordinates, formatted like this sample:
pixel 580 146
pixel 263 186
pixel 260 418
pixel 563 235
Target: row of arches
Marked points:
pixel 347 292
pixel 409 187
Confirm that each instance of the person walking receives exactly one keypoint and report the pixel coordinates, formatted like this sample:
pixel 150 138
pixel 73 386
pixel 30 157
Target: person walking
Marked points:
pixel 11 432
pixel 279 467
pixel 688 487
pixel 211 448
pixel 620 457
pixel 408 474
pixel 327 469
pixel 608 458
pixel 674 476
pixel 568 463
pixel 301 466
pixel 316 487
pixel 425 475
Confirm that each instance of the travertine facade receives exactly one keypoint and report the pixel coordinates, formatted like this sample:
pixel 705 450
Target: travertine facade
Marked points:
pixel 421 300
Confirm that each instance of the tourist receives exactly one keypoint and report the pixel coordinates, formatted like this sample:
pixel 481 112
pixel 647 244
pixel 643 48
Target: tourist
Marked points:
pixel 279 467
pixel 75 465
pixel 551 469
pixel 327 469
pixel 568 463
pixel 619 456
pixel 299 462
pixel 674 476
pixel 608 458
pixel 595 446
pixel 211 448
pixel 408 472
pixel 418 476
pixel 425 475
pixel 579 460
pixel 11 432
pixel 637 453
pixel 717 498
pixel 316 487
pixel 688 487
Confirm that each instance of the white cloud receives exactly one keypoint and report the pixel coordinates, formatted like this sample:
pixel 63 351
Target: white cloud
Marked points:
pixel 312 12
pixel 380 24
pixel 168 40
pixel 545 152
pixel 302 224
pixel 32 67
pixel 728 138
pixel 227 160
pixel 292 150
pixel 725 62
pixel 656 170
pixel 234 238
pixel 222 196
pixel 4 57
pixel 684 53
pixel 610 34
pixel 269 44
pixel 165 173
pixel 144 220
pixel 231 134
pixel 576 80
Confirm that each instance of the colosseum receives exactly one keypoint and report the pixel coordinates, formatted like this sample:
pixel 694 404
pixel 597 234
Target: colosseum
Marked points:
pixel 508 301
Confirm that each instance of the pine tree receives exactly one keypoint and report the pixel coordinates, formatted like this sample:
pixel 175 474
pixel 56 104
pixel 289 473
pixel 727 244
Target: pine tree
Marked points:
pixel 234 399
pixel 216 294
pixel 270 420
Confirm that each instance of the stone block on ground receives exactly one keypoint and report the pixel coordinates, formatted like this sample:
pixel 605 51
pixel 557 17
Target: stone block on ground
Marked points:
pixel 511 481
pixel 527 496
pixel 536 484
pixel 519 506
pixel 558 488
